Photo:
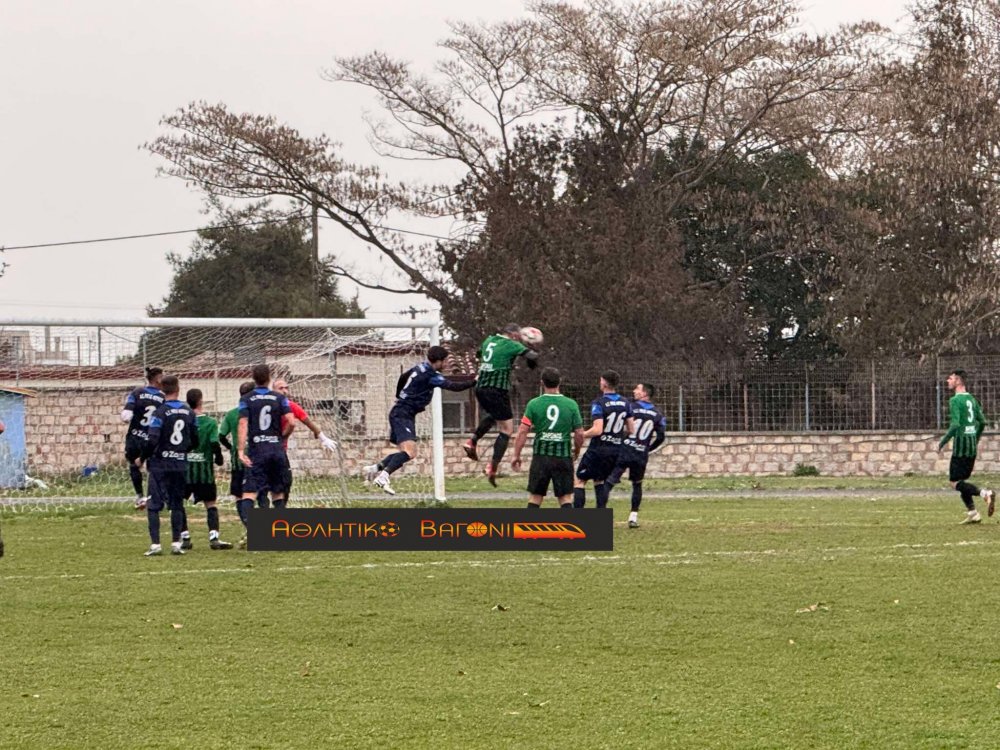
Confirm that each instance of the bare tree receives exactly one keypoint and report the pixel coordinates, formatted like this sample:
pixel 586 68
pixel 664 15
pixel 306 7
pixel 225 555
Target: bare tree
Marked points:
pixel 725 78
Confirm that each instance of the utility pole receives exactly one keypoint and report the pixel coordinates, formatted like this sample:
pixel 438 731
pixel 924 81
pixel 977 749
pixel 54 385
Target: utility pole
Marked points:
pixel 413 312
pixel 315 259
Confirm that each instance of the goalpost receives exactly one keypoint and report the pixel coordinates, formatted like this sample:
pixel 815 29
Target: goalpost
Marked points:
pixel 63 383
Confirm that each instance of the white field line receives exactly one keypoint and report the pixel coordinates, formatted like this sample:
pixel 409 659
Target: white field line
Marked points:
pixel 662 558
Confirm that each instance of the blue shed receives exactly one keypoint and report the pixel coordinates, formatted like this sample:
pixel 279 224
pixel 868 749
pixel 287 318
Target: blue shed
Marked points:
pixel 13 446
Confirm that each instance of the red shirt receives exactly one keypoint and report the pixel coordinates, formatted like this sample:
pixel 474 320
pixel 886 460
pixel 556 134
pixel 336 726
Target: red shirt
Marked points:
pixel 297 411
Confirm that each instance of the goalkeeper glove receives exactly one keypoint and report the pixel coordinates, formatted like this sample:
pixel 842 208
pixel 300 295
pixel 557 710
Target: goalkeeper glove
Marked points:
pixel 327 443
pixel 126 415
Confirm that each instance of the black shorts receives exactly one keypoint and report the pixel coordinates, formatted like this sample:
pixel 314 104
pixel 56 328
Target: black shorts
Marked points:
pixel 202 493
pixel 166 490
pixel 133 448
pixel 597 463
pixel 402 427
pixel 236 482
pixel 550 468
pixel 268 473
pixel 495 402
pixel 961 468
pixel 634 462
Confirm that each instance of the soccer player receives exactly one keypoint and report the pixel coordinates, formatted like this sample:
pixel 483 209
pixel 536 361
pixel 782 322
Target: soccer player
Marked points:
pixel 414 390
pixel 650 432
pixel 265 421
pixel 227 436
pixel 200 471
pixel 497 354
pixel 139 407
pixel 966 427
pixel 281 386
pixel 171 433
pixel 612 420
pixel 558 427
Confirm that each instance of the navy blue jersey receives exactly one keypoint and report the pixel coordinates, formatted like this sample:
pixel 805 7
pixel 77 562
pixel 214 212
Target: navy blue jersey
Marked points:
pixel 172 433
pixel 143 403
pixel 614 410
pixel 650 428
pixel 415 388
pixel 264 411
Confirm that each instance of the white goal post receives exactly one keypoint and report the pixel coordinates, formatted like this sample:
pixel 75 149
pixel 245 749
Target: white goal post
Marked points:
pixel 346 369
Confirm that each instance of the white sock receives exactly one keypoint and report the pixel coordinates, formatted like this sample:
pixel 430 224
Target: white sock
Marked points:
pixel 213 535
pixel 185 535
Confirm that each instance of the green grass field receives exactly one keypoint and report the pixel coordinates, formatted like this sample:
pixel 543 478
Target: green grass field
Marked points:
pixel 854 620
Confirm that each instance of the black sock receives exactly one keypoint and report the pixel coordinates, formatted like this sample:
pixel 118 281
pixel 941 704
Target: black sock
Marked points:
pixel 566 506
pixel 601 492
pixel 533 505
pixel 484 426
pixel 184 519
pixel 135 473
pixel 176 522
pixel 636 496
pixel 280 504
pixel 263 500
pixel 243 508
pixel 969 493
pixel 579 497
pixel 153 517
pixel 212 515
pixel 395 461
pixel 499 448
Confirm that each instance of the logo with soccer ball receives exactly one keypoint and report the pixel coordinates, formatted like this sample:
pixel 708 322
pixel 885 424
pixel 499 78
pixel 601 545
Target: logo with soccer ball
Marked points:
pixel 388 529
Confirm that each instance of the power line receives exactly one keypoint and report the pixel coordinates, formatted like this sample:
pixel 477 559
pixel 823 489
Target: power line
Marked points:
pixel 153 234
pixel 200 229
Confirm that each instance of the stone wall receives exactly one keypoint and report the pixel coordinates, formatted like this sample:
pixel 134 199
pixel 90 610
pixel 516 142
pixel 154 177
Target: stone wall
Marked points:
pixel 67 429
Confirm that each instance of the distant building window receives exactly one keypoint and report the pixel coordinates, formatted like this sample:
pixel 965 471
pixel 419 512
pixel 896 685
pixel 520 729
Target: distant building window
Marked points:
pixel 349 412
pixel 454 416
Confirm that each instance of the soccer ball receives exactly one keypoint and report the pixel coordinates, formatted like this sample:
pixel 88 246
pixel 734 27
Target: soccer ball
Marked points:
pixel 531 336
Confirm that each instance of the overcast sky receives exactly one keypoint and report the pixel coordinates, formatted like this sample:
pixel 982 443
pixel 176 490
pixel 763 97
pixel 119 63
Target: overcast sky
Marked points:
pixel 84 84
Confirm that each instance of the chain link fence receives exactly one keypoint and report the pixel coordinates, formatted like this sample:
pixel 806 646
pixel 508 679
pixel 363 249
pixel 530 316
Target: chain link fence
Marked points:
pixel 843 395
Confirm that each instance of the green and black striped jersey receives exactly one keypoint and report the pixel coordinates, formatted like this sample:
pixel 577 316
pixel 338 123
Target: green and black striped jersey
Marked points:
pixel 554 418
pixel 229 428
pixel 967 424
pixel 200 469
pixel 496 359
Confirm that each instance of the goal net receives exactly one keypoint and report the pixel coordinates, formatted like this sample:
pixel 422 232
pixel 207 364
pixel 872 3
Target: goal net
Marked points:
pixel 63 386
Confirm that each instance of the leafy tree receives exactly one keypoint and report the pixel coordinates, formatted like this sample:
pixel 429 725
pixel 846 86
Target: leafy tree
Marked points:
pixel 927 279
pixel 254 269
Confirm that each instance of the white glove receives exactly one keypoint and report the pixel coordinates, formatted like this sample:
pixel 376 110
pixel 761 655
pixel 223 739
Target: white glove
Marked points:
pixel 126 415
pixel 330 445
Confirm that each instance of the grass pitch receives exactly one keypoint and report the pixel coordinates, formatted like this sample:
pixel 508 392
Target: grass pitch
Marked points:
pixel 855 620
